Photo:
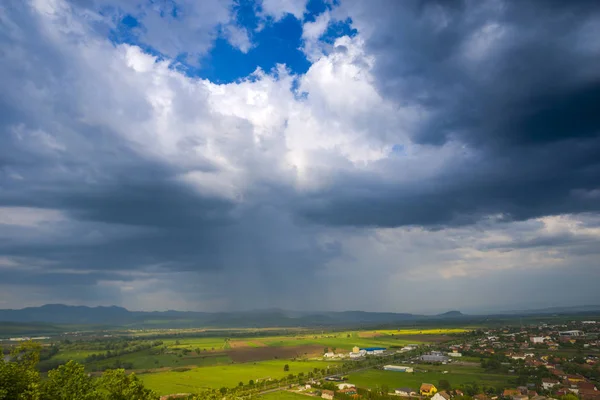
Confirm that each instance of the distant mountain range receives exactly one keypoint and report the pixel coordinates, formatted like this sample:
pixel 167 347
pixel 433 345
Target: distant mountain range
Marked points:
pixel 113 315
pixel 118 316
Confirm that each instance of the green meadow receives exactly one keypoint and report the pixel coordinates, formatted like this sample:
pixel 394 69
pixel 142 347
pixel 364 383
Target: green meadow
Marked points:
pixel 229 375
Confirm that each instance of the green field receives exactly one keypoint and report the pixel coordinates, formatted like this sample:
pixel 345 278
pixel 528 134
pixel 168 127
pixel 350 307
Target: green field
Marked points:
pixel 217 343
pixel 456 376
pixel 146 360
pixel 76 355
pixel 283 395
pixel 230 375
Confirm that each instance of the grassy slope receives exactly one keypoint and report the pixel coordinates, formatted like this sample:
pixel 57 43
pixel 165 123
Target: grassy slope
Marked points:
pixel 224 375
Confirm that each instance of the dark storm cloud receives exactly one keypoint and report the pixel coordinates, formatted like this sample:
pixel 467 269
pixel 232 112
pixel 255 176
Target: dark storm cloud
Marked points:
pixel 516 83
pixel 59 279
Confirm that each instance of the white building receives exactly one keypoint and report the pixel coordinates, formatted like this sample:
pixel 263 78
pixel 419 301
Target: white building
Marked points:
pixel 397 368
pixel 441 396
pixel 537 339
pixel 360 353
pixel 455 354
pixel 548 384
pixel 330 354
pixel 405 392
pixel 345 386
pixel 571 333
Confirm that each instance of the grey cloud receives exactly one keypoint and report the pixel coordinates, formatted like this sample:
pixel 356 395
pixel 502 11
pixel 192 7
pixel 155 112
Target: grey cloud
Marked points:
pixel 524 108
pixel 173 28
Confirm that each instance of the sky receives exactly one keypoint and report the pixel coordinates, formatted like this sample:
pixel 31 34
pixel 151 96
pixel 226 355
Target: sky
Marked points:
pixel 215 155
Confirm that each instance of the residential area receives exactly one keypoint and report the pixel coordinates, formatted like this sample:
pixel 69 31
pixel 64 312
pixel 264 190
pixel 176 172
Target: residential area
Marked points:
pixel 532 362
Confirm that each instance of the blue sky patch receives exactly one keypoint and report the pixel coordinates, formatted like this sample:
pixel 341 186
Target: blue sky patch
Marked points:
pixel 273 42
pixel 277 43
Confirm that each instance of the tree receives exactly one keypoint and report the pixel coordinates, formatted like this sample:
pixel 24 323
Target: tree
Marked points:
pixel 251 382
pixel 286 367
pixel 18 378
pixel 326 350
pixel 119 386
pixel 68 382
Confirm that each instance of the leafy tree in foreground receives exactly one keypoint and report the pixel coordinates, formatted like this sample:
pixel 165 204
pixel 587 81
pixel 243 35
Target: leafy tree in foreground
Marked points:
pixel 19 380
pixel 68 382
pixel 120 386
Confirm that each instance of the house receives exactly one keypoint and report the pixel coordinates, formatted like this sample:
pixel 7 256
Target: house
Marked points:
pixel 575 378
pixel 559 372
pixel 397 368
pixel 405 392
pixel 329 354
pixel 441 396
pixel 455 354
pixel 586 386
pixel 327 394
pixel 548 383
pixel 511 393
pixel 427 389
pixel 587 394
pixel 481 397
pixel 357 352
pixel 342 386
